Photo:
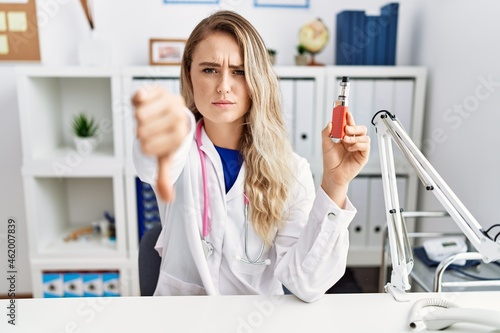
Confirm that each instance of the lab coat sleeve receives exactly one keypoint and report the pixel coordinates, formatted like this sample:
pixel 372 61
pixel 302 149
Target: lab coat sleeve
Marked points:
pixel 312 246
pixel 147 166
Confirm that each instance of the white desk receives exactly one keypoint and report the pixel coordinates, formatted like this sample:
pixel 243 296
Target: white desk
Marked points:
pixel 350 313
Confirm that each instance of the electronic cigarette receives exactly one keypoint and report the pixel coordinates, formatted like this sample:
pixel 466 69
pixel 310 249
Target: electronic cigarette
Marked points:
pixel 339 113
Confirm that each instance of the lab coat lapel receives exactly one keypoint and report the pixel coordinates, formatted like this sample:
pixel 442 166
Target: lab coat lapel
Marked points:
pixel 238 187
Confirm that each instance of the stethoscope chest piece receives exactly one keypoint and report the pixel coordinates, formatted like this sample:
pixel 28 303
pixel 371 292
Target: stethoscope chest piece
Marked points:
pixel 208 248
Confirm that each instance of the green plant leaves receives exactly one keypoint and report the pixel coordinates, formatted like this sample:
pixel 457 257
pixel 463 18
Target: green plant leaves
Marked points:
pixel 84 126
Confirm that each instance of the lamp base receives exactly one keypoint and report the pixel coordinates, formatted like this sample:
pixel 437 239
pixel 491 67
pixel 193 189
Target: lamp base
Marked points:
pixel 399 295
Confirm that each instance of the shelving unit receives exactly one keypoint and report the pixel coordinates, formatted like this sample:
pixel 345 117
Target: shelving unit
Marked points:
pixel 65 190
pixel 62 205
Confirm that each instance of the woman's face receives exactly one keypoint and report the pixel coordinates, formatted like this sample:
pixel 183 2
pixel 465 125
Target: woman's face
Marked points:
pixel 218 77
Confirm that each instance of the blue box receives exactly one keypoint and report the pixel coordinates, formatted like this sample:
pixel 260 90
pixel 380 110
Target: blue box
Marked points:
pixel 111 284
pixel 73 284
pixel 52 285
pixel 92 284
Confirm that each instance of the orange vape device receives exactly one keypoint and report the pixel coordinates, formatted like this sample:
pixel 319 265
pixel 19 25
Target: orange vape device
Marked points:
pixel 339 113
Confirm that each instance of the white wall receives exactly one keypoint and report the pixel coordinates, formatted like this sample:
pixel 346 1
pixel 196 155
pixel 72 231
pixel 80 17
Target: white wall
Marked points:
pixel 457 40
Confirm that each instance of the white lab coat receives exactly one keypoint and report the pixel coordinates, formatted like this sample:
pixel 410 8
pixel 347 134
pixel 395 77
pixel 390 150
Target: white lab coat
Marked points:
pixel 308 255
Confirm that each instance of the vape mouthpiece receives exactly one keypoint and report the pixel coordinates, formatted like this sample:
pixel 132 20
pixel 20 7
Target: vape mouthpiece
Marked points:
pixel 344 88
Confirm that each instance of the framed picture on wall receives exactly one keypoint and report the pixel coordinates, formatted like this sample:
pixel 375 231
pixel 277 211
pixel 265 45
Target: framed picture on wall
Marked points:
pixel 282 3
pixel 166 51
pixel 191 1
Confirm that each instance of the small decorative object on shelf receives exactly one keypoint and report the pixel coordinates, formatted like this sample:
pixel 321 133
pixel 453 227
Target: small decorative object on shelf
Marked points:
pixel 84 130
pixel 103 230
pixel 272 55
pixel 313 36
pixel 301 58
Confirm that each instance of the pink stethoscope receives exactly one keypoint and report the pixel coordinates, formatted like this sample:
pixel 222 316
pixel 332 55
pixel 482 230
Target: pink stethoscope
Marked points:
pixel 207 246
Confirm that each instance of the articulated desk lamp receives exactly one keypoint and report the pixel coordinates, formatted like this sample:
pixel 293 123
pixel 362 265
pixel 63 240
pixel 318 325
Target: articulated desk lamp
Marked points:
pixel 388 127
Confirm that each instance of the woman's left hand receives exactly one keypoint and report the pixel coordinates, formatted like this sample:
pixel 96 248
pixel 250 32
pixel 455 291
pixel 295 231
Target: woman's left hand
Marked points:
pixel 343 160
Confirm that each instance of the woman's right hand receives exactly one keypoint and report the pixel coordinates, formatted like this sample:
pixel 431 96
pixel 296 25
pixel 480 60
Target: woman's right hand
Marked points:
pixel 162 125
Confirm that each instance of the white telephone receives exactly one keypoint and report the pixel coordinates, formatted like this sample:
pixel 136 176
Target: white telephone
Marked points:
pixel 441 248
pixel 448 313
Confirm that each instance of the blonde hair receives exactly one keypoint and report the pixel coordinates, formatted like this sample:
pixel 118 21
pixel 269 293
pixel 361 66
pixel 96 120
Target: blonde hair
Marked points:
pixel 264 145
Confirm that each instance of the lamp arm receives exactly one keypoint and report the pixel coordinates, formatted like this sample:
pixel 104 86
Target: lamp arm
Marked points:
pixel 388 127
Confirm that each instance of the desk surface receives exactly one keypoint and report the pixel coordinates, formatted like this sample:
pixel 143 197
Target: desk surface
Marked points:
pixel 333 313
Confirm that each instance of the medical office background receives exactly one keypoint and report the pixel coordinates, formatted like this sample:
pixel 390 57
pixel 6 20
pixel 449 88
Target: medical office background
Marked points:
pixel 456 40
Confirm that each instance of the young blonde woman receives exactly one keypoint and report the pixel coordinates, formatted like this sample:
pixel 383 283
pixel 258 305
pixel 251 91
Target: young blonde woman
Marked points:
pixel 240 214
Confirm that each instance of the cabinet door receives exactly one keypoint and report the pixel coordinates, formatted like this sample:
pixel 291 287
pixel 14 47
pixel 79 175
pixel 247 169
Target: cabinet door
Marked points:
pixel 298 112
pixel 377 216
pixel 361 104
pixel 288 104
pixel 299 105
pixel 304 118
pixel 358 195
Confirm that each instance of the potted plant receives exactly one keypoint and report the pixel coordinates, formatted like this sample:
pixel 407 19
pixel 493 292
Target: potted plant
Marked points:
pixel 272 55
pixel 84 130
pixel 301 57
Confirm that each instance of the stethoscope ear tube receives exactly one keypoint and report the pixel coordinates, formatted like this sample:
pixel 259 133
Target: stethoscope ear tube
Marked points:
pixel 266 262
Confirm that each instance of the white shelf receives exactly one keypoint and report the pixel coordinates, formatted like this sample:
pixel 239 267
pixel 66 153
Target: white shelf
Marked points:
pixel 299 71
pixel 65 72
pixel 67 162
pixel 91 248
pixel 58 205
pixel 152 71
pixel 378 72
pixel 49 100
pixel 101 151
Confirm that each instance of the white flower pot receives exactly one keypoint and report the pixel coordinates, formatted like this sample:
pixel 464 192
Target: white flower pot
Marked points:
pixel 85 146
pixel 301 59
